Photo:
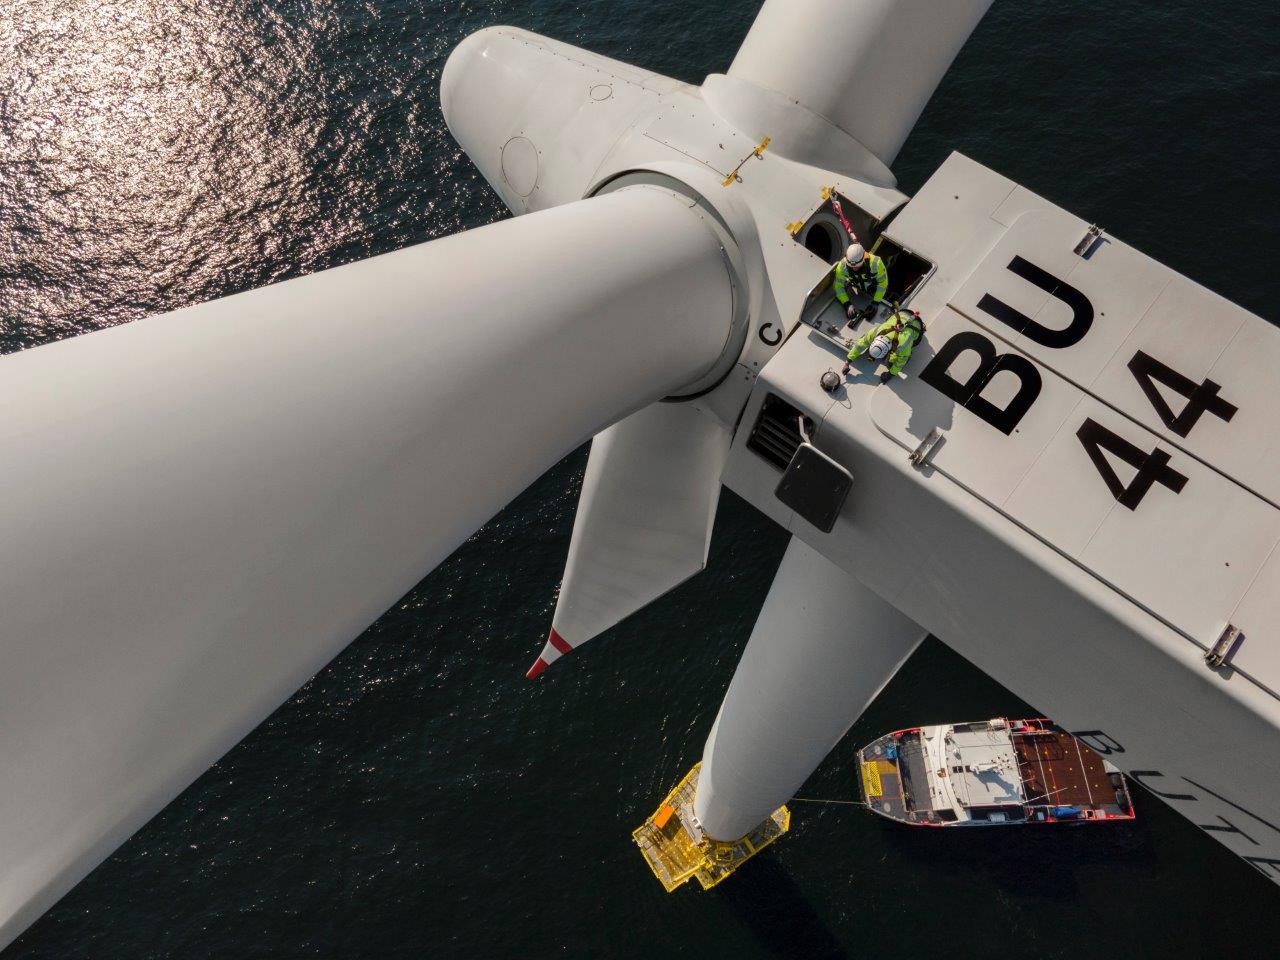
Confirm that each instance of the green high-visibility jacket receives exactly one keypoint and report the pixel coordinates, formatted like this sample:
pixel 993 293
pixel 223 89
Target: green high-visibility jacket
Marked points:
pixel 875 272
pixel 903 331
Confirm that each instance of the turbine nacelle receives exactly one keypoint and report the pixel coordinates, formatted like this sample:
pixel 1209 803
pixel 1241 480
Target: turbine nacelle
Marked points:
pixel 803 111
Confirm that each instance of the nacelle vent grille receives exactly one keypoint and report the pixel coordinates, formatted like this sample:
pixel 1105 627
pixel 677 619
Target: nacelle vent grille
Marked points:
pixel 776 435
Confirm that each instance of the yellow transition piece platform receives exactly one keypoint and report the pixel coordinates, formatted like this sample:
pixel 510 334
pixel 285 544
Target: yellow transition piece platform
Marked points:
pixel 676 848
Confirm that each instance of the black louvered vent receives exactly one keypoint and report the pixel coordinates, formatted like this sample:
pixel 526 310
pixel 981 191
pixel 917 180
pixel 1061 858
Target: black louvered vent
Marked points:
pixel 776 434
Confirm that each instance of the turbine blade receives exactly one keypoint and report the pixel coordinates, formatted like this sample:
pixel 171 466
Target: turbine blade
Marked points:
pixel 644 520
pixel 201 509
pixel 822 649
pixel 866 66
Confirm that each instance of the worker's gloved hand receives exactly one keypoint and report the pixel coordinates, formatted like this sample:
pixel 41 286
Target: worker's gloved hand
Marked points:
pixel 850 310
pixel 886 377
pixel 846 368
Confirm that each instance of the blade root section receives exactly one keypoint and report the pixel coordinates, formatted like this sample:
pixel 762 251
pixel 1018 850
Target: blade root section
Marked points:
pixel 822 648
pixel 202 508
pixel 644 520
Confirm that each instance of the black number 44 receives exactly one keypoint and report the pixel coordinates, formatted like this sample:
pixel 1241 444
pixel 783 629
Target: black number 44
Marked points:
pixel 1152 467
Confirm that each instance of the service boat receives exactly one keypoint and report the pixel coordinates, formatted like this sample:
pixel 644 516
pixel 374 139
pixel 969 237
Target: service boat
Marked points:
pixel 990 772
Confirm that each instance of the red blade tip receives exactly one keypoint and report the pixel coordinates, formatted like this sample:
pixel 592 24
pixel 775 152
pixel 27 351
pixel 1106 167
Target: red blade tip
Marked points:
pixel 536 670
pixel 559 642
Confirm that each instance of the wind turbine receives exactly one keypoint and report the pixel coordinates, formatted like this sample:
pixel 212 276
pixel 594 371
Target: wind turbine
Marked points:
pixel 258 511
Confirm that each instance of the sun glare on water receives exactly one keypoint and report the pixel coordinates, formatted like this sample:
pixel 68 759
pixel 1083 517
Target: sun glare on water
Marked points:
pixel 150 153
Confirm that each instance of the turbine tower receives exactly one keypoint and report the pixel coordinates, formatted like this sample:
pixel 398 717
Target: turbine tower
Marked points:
pixel 193 531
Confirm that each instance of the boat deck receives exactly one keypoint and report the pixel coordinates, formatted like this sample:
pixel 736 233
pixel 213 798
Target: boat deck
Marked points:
pixel 1058 770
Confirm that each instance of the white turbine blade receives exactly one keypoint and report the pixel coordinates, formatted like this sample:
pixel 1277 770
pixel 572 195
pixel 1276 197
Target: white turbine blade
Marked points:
pixel 822 649
pixel 200 509
pixel 644 520
pixel 867 66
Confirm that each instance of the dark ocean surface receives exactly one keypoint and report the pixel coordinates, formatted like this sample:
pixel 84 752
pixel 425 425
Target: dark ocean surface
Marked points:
pixel 420 799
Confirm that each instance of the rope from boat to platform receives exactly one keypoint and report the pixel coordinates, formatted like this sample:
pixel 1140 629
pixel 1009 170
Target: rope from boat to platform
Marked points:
pixel 847 803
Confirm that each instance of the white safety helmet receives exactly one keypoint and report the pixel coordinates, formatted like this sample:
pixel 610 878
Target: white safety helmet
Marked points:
pixel 879 348
pixel 855 254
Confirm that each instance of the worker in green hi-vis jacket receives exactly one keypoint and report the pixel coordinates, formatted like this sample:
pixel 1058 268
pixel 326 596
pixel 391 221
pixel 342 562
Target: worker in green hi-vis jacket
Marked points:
pixel 891 342
pixel 860 271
